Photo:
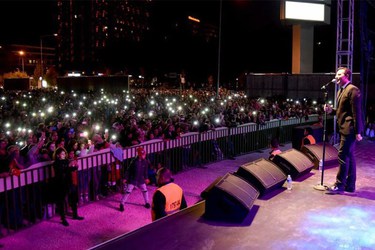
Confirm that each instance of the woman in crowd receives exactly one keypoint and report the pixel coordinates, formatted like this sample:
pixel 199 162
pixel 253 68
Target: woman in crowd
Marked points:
pixel 64 185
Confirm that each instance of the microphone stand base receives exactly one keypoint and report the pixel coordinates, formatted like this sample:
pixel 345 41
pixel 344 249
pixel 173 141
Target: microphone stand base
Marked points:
pixel 320 187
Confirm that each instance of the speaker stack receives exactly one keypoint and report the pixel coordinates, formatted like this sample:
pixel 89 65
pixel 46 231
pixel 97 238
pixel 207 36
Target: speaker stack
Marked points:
pixel 229 198
pixel 315 154
pixel 293 162
pixel 263 174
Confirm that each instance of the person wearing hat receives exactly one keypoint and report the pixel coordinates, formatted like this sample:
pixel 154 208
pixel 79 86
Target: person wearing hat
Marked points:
pixel 137 175
pixel 168 198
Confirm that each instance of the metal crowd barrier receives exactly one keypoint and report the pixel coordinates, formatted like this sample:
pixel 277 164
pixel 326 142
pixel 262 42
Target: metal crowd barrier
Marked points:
pixel 27 199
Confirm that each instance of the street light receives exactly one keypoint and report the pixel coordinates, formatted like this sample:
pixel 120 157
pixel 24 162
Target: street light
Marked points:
pixel 22 53
pixel 41 49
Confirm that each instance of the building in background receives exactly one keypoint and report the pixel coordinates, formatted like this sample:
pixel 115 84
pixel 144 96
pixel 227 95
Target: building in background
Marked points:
pixel 132 37
pixel 95 35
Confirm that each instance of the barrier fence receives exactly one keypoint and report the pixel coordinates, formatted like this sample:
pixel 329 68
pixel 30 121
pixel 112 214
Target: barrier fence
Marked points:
pixel 29 198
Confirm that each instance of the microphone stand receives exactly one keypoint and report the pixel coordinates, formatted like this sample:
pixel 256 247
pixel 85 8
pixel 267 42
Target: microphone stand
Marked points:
pixel 321 186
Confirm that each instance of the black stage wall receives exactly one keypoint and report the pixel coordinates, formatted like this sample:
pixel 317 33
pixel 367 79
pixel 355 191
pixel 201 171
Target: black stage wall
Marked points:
pixel 93 83
pixel 291 86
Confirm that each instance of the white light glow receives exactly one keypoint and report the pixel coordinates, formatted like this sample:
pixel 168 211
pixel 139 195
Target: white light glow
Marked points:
pixel 74 74
pixel 304 11
pixel 44 84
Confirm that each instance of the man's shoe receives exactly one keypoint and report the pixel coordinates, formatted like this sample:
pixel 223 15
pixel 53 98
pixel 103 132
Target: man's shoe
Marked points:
pixel 334 190
pixel 147 205
pixel 64 222
pixel 122 208
pixel 349 190
pixel 76 217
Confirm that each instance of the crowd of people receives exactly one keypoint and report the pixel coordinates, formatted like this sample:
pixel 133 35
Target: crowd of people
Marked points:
pixel 52 125
pixel 41 125
pixel 129 117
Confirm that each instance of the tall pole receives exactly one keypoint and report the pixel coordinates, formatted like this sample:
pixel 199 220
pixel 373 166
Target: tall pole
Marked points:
pixel 22 53
pixel 219 52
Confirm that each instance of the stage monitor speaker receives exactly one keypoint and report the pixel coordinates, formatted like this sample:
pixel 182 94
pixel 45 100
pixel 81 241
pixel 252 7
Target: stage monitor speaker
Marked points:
pixel 205 193
pixel 230 199
pixel 315 154
pixel 298 135
pixel 263 174
pixel 293 162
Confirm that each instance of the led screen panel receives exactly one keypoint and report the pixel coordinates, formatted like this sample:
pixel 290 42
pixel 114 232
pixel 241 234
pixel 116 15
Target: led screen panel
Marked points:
pixel 313 11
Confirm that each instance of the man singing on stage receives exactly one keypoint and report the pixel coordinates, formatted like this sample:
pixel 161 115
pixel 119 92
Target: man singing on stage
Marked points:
pixel 349 120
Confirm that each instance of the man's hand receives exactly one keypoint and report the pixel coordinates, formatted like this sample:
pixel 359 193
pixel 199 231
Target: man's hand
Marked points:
pixel 327 108
pixel 358 137
pixel 73 163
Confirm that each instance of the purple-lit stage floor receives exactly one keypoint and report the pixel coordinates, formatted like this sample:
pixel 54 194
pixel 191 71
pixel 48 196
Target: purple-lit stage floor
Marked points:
pixel 303 218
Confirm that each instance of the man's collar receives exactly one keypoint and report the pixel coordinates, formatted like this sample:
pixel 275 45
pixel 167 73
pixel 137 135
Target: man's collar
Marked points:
pixel 344 86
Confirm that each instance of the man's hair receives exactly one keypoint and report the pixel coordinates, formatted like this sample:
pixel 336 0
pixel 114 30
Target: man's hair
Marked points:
pixel 165 174
pixel 309 130
pixel 347 72
pixel 96 138
pixel 58 152
pixel 141 151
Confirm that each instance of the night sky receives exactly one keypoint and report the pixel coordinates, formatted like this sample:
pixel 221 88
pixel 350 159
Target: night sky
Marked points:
pixel 23 22
pixel 253 37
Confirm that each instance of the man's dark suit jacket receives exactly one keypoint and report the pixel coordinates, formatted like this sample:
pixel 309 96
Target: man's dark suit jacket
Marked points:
pixel 348 111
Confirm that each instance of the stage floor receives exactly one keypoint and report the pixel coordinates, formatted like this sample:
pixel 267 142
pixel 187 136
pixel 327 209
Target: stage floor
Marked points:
pixel 303 218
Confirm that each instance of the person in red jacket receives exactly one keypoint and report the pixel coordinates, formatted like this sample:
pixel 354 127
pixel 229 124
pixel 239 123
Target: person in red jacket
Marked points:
pixel 168 198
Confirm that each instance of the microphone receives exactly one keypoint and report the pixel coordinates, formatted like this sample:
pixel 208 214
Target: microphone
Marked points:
pixel 327 84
